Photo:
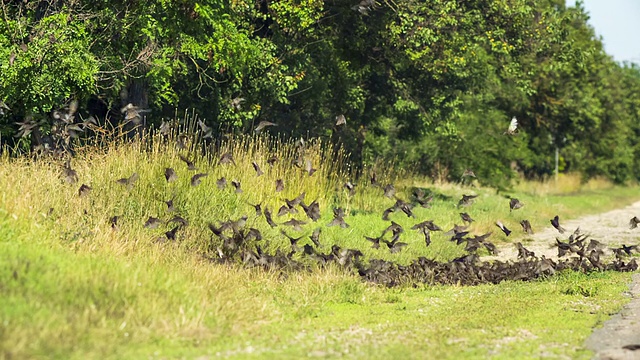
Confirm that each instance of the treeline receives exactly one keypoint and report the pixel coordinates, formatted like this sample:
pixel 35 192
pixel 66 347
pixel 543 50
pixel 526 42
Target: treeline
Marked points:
pixel 430 84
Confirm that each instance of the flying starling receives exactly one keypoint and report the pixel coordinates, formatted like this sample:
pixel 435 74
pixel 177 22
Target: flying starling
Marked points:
pixel 556 224
pixel 196 179
pixel 633 223
pixel 513 127
pixel 170 175
pixel 262 125
pixel 256 167
pixel 504 229
pixel 227 158
pixel 526 226
pixel 279 185
pixel 515 204
pixel 190 165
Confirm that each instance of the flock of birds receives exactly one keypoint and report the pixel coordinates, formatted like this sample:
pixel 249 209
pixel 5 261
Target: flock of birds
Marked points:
pixel 234 241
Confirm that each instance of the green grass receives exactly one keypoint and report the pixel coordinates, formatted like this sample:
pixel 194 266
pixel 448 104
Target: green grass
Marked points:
pixel 71 287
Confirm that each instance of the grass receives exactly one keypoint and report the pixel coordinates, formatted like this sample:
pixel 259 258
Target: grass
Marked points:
pixel 71 287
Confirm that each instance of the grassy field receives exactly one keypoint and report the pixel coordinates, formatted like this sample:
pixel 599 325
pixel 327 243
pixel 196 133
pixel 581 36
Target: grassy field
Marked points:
pixel 73 287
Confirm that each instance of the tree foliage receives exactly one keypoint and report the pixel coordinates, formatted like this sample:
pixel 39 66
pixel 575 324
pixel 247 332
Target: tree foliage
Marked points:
pixel 432 84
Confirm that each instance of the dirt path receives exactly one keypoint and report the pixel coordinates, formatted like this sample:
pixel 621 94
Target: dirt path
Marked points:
pixel 610 228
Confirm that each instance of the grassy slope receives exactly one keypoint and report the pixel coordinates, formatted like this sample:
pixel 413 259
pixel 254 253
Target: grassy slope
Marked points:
pixel 70 287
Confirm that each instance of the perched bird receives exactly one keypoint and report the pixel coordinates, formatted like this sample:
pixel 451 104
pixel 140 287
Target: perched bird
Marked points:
pixel 556 224
pixel 196 179
pixel 515 204
pixel 279 185
pixel 256 167
pixel 633 223
pixel 513 127
pixel 526 226
pixel 190 165
pixel 466 218
pixel 114 222
pixel 262 125
pixel 170 175
pixel 504 229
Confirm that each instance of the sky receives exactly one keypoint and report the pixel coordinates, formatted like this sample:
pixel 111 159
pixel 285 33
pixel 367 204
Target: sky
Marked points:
pixel 618 23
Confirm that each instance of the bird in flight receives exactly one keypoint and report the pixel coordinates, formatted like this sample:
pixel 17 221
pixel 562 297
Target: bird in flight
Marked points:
pixel 513 127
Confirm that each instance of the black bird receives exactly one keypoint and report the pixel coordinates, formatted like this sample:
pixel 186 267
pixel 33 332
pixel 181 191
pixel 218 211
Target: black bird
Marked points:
pixel 221 183
pixel 170 175
pixel 429 225
pixel 312 210
pixel 170 207
pixel 256 167
pixel 405 207
pixel 284 210
pixel 420 198
pixel 375 242
pixel 338 218
pixel 466 200
pixel 84 190
pixel 515 204
pixel 633 223
pixel 267 215
pixel 196 179
pixel 227 158
pixel 258 208
pixel 394 245
pixel 178 219
pixel 262 125
pixel 171 234
pixel 279 185
pixel 385 214
pixel 556 224
pixel 466 218
pixel 152 222
pixel 114 222
pixel 526 226
pixel 524 253
pixel 296 201
pixel 272 160
pixel 292 240
pixel 373 179
pixel 128 182
pixel 395 229
pixel 190 165
pixel 236 184
pixel 389 191
pixel 503 228
pixel 315 237
pixel 624 250
pixel 295 224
